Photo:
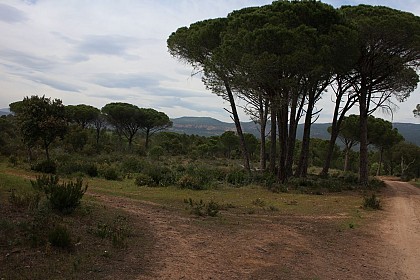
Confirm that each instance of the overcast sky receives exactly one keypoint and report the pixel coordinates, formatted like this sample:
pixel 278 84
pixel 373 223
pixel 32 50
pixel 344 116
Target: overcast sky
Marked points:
pixel 101 51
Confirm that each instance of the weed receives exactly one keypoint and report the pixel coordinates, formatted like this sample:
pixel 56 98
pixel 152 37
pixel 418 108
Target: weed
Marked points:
pixel 202 209
pixel 258 202
pixel 29 201
pixel 372 202
pixel 117 231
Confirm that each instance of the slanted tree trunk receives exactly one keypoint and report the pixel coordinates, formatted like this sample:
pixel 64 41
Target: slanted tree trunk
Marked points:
pixel 235 115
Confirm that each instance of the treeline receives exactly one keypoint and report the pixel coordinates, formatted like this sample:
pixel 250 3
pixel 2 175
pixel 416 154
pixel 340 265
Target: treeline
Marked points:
pixel 281 58
pixel 121 139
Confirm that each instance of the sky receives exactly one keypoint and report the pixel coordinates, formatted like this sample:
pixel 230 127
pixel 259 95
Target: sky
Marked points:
pixel 101 51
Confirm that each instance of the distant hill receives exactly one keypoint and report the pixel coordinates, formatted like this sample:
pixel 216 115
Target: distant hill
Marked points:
pixel 4 111
pixel 205 126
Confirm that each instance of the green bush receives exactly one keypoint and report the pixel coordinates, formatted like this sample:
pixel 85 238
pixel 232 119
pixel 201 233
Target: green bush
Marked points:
pixel 63 197
pixel 144 180
pixel 202 209
pixel 60 237
pixel 46 166
pixel 161 175
pixel 238 178
pixel 110 173
pixel 190 182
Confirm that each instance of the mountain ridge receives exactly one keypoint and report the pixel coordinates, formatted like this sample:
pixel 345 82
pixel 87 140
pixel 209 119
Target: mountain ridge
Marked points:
pixel 206 126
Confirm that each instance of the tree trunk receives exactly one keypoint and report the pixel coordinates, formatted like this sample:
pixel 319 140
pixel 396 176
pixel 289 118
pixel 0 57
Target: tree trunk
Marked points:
pixel 147 138
pixel 47 150
pixel 273 139
pixel 263 112
pixel 346 159
pixel 302 169
pixel 282 123
pixel 363 163
pixel 291 141
pixel 245 153
pixel 381 153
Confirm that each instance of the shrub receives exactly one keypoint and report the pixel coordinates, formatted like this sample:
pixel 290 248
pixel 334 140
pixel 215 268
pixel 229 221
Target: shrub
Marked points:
pixel 190 182
pixel 63 197
pixel 46 166
pixel 372 202
pixel 161 176
pixel 202 209
pixel 238 177
pixel 110 173
pixel 143 180
pixel 59 237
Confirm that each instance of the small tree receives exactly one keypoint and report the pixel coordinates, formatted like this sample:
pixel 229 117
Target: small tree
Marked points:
pixel 126 118
pixel 42 119
pixel 153 122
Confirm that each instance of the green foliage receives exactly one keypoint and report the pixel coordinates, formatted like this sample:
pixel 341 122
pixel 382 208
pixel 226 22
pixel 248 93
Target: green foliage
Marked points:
pixel 372 202
pixel 202 209
pixel 190 182
pixel 110 173
pixel 143 180
pixel 64 197
pixel 161 175
pixel 45 166
pixel 60 237
pixel 238 177
pixel 156 152
pixel 70 167
pixel 117 231
pixel 40 118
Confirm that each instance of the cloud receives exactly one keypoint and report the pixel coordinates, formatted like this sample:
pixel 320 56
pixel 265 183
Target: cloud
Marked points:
pixel 64 86
pixel 109 80
pixel 114 45
pixel 10 14
pixel 28 61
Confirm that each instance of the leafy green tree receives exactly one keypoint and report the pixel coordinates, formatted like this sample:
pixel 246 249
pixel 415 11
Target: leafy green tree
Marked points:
pixel 389 43
pixel 40 118
pixel 126 118
pixel 153 121
pixel 382 136
pixel 230 141
pixel 406 157
pixel 349 135
pixel 82 114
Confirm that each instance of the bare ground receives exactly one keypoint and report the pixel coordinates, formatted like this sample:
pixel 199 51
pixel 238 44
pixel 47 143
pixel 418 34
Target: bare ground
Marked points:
pixel 282 247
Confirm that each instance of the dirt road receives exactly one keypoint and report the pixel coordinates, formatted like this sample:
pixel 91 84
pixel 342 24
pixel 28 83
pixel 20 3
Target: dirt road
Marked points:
pixel 400 229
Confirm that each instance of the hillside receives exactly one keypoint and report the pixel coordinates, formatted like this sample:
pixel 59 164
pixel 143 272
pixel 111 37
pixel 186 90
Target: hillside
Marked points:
pixel 205 126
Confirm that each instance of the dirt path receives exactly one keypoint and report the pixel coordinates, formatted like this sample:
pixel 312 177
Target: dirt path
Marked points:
pixel 400 229
pixel 255 246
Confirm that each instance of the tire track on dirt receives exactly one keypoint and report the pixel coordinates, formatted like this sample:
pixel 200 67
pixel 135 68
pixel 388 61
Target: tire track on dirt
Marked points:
pixel 401 228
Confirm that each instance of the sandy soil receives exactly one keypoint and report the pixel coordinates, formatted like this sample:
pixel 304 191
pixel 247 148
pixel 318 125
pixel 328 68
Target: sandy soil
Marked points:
pixel 284 247
pixel 400 229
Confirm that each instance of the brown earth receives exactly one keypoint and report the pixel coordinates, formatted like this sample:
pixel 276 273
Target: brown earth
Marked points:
pixel 386 246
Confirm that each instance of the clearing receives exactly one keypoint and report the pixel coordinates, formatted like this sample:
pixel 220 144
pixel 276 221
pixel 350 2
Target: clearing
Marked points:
pixel 284 246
